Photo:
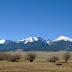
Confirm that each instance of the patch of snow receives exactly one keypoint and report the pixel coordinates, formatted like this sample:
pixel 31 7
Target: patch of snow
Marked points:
pixel 49 41
pixel 2 41
pixel 63 38
pixel 5 41
pixel 30 39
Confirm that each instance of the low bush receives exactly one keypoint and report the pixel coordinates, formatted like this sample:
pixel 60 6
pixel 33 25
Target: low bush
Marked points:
pixel 30 56
pixel 66 56
pixel 14 58
pixel 53 59
pixel 4 56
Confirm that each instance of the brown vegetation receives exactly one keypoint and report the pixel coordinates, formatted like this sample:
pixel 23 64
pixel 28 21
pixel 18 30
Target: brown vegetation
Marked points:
pixel 53 59
pixel 39 65
pixel 66 56
pixel 14 58
pixel 30 56
pixel 4 56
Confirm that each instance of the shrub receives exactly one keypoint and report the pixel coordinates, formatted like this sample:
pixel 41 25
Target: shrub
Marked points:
pixel 30 56
pixel 53 59
pixel 66 56
pixel 4 56
pixel 14 58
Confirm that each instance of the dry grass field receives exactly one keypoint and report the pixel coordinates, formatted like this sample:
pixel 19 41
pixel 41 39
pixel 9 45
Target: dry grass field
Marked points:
pixel 40 64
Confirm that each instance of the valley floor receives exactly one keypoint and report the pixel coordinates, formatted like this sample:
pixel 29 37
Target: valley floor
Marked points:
pixel 40 64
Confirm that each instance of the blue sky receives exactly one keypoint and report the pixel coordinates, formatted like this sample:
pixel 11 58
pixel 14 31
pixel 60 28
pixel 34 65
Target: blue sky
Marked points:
pixel 49 19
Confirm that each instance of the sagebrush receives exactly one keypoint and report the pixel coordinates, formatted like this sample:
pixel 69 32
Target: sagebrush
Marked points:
pixel 14 58
pixel 53 59
pixel 31 56
pixel 4 56
pixel 66 56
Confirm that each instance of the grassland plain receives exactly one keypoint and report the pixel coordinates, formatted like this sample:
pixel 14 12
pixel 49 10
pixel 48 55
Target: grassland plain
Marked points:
pixel 40 64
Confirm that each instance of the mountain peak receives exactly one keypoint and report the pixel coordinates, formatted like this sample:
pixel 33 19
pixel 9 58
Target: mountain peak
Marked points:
pixel 63 38
pixel 30 39
pixel 4 41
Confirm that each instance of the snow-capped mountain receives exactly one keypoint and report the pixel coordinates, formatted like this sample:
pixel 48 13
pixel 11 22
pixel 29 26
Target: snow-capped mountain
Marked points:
pixel 37 44
pixel 32 39
pixel 5 41
pixel 63 38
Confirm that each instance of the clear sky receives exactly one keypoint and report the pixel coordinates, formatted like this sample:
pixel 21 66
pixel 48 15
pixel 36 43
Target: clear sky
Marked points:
pixel 49 19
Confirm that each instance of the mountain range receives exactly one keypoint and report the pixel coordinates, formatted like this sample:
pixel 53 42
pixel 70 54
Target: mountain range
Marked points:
pixel 62 43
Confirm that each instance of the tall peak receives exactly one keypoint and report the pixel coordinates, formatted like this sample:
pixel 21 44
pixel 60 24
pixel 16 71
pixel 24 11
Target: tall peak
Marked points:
pixel 63 38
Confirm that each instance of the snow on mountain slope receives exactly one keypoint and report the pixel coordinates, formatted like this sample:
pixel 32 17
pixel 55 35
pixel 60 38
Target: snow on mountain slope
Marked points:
pixel 5 41
pixel 30 39
pixel 2 41
pixel 63 38
pixel 49 41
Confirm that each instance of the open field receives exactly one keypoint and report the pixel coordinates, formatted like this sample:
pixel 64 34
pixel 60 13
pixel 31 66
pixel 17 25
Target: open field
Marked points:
pixel 40 64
